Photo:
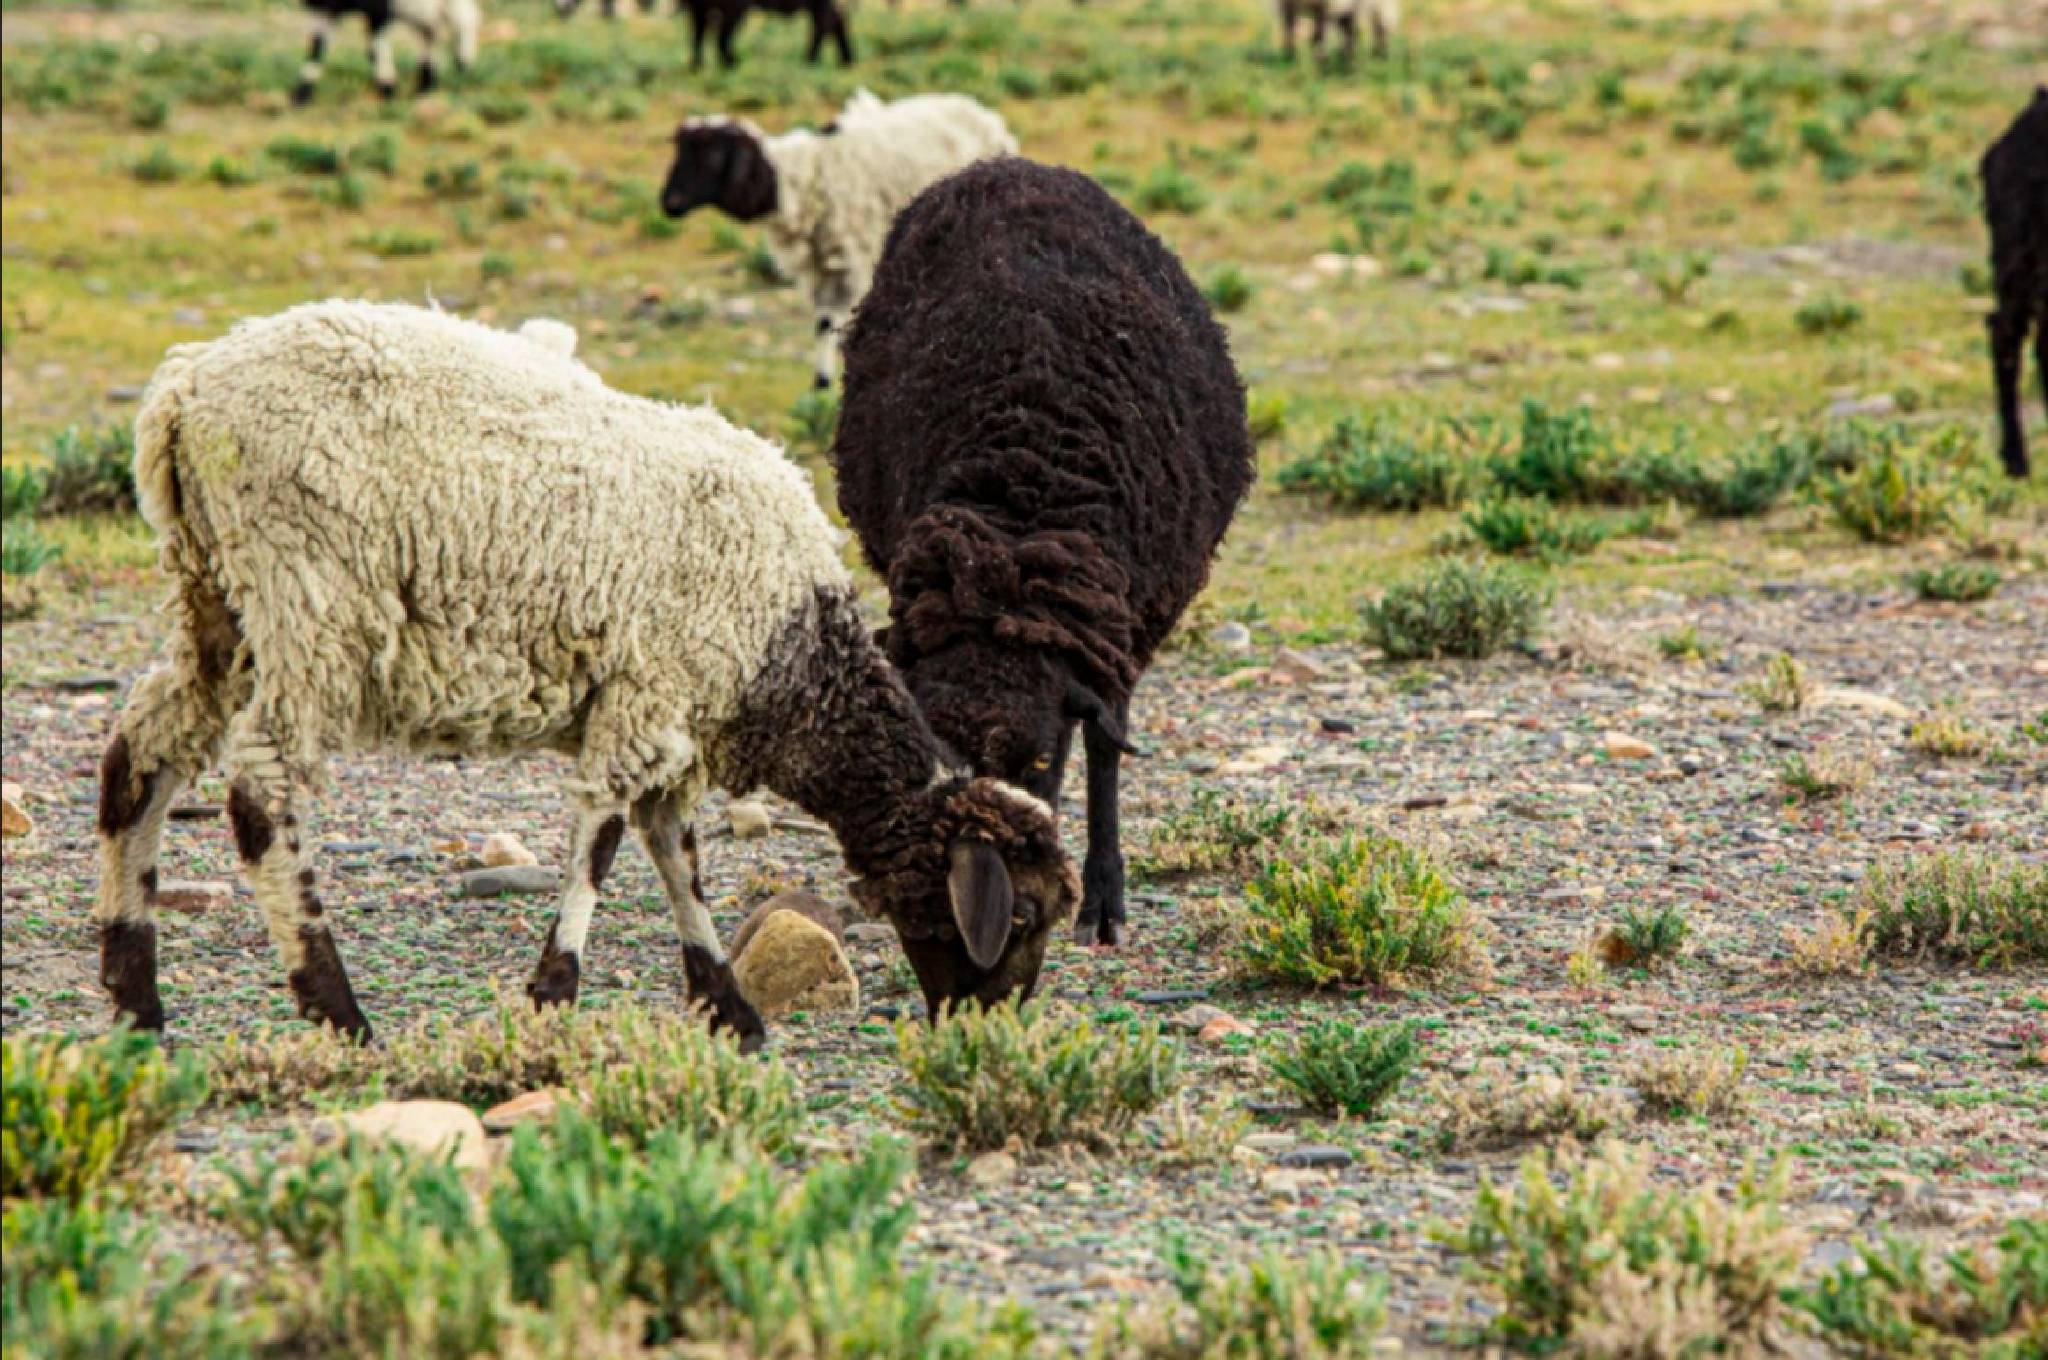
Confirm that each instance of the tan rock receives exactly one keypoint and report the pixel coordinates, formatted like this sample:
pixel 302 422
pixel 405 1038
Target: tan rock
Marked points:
pixel 1298 667
pixel 992 1169
pixel 1221 1028
pixel 502 850
pixel 1861 700
pixel 431 1127
pixel 749 818
pixel 1255 761
pixel 531 1107
pixel 14 818
pixel 792 963
pixel 808 905
pixel 1622 746
pixel 197 897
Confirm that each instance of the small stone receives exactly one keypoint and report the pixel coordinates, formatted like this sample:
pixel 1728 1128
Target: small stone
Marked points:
pixel 431 1127
pixel 502 850
pixel 188 316
pixel 749 818
pixel 1877 404
pixel 870 932
pixel 992 1169
pixel 1255 761
pixel 1171 996
pixel 1862 700
pixel 1342 727
pixel 808 905
pixel 513 878
pixel 1639 1018
pixel 1316 1156
pixel 1298 668
pixel 87 684
pixel 1230 637
pixel 1223 1027
pixel 1196 1018
pixel 14 818
pixel 1622 746
pixel 1330 264
pixel 123 393
pixel 455 845
pixel 792 963
pixel 195 898
pixel 532 1107
pixel 1271 1140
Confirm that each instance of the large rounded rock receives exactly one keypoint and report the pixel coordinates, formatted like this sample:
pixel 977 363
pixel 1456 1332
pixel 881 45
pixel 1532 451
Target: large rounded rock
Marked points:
pixel 791 963
pixel 431 1127
pixel 806 904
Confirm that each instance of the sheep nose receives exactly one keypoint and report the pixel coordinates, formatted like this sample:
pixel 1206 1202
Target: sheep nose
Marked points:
pixel 673 205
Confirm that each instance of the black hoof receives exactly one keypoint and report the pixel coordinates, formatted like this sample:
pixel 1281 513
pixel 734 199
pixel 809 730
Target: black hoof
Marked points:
pixel 302 94
pixel 387 93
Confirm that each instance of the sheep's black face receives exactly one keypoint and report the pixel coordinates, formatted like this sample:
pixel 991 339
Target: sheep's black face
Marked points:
pixel 1002 715
pixel 979 897
pixel 723 164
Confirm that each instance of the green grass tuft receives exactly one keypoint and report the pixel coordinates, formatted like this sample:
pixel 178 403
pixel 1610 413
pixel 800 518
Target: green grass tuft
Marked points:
pixel 1456 608
pixel 1338 1068
pixel 80 1112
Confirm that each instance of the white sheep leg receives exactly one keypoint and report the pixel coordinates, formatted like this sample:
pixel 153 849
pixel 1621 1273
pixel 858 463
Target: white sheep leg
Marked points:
pixel 270 775
pixel 593 842
pixel 383 64
pixel 671 843
pixel 316 52
pixel 169 730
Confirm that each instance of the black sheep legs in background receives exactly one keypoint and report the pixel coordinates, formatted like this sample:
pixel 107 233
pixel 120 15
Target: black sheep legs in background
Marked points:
pixel 827 21
pixel 2015 173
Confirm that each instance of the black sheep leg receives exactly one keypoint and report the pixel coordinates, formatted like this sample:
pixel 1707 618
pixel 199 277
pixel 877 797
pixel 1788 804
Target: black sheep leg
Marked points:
pixel 1102 875
pixel 841 38
pixel 728 25
pixel 699 21
pixel 2008 337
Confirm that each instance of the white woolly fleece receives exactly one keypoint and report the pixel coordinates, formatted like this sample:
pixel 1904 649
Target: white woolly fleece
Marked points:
pixel 435 535
pixel 838 192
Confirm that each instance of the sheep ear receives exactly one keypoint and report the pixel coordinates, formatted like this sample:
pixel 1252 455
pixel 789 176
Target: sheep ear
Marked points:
pixel 1086 705
pixel 979 885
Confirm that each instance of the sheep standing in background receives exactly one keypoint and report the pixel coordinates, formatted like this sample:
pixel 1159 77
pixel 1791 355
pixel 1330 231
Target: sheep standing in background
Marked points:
pixel 1041 443
pixel 453 21
pixel 1385 14
pixel 826 198
pixel 2015 172
pixel 828 20
pixel 389 528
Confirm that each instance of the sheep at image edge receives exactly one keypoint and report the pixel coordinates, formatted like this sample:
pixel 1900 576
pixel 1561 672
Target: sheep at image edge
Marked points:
pixel 455 22
pixel 825 198
pixel 2015 175
pixel 1041 443
pixel 389 528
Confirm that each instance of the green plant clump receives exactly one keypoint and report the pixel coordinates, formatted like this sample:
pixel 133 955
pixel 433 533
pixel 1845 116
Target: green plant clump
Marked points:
pixel 1367 908
pixel 1957 582
pixel 80 1111
pixel 1371 464
pixel 1957 907
pixel 980 1077
pixel 1338 1068
pixel 1456 608
pixel 1276 1308
pixel 1531 526
pixel 1895 1303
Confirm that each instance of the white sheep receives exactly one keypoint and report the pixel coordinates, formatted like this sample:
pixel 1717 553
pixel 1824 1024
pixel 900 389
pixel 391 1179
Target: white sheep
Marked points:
pixel 391 528
pixel 1384 14
pixel 453 21
pixel 826 197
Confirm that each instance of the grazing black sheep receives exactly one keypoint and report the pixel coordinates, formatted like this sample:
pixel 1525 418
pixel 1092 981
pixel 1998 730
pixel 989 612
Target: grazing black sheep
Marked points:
pixel 1041 441
pixel 2015 172
pixel 828 20
pixel 454 21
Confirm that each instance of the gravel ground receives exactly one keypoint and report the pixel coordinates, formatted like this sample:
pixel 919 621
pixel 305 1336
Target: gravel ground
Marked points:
pixel 1900 1099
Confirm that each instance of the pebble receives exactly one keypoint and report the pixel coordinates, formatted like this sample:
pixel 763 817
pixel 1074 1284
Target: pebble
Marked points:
pixel 1223 1027
pixel 749 818
pixel 1196 1018
pixel 1314 1156
pixel 1642 1019
pixel 1269 1141
pixel 1337 726
pixel 1298 667
pixel 515 878
pixel 14 818
pixel 992 1169
pixel 870 932
pixel 123 393
pixel 1622 746
pixel 502 850
pixel 531 1107
pixel 1230 637
pixel 1171 996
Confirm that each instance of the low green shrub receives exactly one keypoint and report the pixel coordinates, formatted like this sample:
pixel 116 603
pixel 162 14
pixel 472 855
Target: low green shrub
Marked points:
pixel 1750 481
pixel 84 1282
pixel 21 492
pixel 1960 907
pixel 1784 687
pixel 1456 608
pixel 90 471
pixel 1899 495
pixel 1559 455
pixel 1705 1081
pixel 1958 582
pixel 1338 1068
pixel 814 418
pixel 1491 1107
pixel 978 1078
pixel 1588 1254
pixel 1276 1308
pixel 159 165
pixel 1219 833
pixel 1647 939
pixel 1896 1303
pixel 23 549
pixel 1229 290
pixel 1367 908
pixel 1827 314
pixel 82 1111
pixel 1169 188
pixel 1372 464
pixel 1530 526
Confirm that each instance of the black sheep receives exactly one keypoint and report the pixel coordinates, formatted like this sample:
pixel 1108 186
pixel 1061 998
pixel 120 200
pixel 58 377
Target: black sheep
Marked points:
pixel 828 20
pixel 2015 172
pixel 1041 441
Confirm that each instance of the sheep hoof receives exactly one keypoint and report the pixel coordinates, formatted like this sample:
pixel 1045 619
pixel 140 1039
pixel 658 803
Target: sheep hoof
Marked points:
pixel 302 94
pixel 387 92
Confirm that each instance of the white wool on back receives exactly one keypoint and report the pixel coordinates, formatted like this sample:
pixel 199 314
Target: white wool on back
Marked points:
pixel 838 192
pixel 436 535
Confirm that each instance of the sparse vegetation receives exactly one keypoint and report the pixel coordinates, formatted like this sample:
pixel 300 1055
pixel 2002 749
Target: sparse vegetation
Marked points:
pixel 1823 775
pixel 1948 735
pixel 1647 939
pixel 1897 1302
pixel 1338 1068
pixel 1957 907
pixel 1705 1081
pixel 1366 908
pixel 1274 1308
pixel 82 1111
pixel 1784 687
pixel 1370 463
pixel 1224 833
pixel 1958 582
pixel 979 1078
pixel 1456 608
pixel 1586 1251
pixel 1493 1108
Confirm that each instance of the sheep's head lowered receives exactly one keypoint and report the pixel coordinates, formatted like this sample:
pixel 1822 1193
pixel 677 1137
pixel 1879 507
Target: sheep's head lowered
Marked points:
pixel 724 163
pixel 976 887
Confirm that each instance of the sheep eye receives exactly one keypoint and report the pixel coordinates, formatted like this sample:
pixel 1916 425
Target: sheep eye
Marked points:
pixel 1042 763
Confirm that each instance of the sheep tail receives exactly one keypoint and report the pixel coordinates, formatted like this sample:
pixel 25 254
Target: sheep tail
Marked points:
pixel 466 19
pixel 158 425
